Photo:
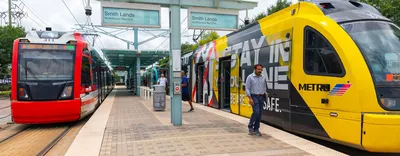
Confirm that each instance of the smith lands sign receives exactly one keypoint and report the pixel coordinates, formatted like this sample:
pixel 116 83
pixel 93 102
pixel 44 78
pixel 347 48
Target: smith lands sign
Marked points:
pixel 130 15
pixel 212 19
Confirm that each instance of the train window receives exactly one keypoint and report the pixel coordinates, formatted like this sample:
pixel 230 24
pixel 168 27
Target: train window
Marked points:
pixel 85 78
pixel 94 71
pixel 320 58
pixel 379 43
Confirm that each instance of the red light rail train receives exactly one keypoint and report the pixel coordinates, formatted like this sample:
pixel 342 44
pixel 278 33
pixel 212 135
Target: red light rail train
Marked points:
pixel 56 77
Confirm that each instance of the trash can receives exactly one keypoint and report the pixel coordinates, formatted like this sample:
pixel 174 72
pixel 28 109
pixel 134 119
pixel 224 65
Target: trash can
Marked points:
pixel 159 97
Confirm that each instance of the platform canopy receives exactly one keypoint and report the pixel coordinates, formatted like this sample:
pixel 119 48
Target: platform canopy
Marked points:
pixel 126 58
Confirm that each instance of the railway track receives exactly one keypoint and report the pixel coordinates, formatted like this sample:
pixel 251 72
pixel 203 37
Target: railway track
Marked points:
pixel 14 134
pixel 34 140
pixel 54 142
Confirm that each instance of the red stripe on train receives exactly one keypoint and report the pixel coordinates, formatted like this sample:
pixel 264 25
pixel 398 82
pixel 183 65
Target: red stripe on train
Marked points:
pixel 88 101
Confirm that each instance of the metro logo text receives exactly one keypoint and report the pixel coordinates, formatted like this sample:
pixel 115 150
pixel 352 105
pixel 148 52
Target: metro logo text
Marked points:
pixel 315 87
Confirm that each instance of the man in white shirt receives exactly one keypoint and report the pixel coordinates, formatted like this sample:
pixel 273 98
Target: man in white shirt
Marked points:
pixel 256 89
pixel 162 80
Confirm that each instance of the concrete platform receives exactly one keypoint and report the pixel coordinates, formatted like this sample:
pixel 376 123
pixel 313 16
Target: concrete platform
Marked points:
pixel 127 125
pixel 5 111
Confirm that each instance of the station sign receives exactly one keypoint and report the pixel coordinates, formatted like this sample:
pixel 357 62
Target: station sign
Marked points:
pixel 212 19
pixel 130 15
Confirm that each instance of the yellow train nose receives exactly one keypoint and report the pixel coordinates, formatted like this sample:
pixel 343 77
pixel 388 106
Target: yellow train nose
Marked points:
pixel 381 132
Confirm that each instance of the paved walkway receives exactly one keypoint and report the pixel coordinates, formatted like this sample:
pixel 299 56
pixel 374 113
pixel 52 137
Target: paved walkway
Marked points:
pixel 133 128
pixel 5 110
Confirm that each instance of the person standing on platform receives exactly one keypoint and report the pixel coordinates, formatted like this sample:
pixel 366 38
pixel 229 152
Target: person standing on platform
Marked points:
pixel 256 87
pixel 185 91
pixel 162 80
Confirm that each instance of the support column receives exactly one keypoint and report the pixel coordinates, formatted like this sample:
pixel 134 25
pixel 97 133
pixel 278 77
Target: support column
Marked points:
pixel 9 13
pixel 138 74
pixel 136 36
pixel 133 67
pixel 136 44
pixel 171 74
pixel 128 78
pixel 175 40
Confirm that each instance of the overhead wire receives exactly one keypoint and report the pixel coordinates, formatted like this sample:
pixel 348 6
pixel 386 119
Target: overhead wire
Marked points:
pixel 89 23
pixel 166 38
pixel 162 43
pixel 39 25
pixel 31 10
pixel 70 12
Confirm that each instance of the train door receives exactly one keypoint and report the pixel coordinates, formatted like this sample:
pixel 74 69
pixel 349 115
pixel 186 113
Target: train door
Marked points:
pixel 99 81
pixel 106 77
pixel 200 83
pixel 107 81
pixel 193 82
pixel 96 82
pixel 104 83
pixel 224 84
pixel 88 94
pixel 320 107
pixel 189 76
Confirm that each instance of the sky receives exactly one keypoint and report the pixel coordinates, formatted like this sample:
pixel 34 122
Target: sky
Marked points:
pixel 53 13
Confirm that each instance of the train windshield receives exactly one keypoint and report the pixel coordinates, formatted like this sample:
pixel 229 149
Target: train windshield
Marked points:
pixel 380 44
pixel 46 65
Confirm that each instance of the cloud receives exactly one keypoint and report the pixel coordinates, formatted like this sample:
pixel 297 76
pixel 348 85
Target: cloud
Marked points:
pixel 55 14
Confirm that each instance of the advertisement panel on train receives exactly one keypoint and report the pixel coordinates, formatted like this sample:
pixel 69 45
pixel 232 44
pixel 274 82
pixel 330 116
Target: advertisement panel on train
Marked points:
pixel 331 69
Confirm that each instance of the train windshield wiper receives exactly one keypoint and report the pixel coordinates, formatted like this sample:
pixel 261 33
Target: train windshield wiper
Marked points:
pixel 30 72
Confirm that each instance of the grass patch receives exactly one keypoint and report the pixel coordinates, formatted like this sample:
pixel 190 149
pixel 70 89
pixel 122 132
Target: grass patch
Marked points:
pixel 5 92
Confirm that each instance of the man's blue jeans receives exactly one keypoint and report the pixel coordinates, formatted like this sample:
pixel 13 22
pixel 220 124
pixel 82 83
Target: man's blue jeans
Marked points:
pixel 255 118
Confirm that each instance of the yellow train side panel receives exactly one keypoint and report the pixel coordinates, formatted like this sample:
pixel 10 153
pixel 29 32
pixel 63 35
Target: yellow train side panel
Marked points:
pixel 234 85
pixel 340 111
pixel 342 116
pixel 381 132
pixel 221 45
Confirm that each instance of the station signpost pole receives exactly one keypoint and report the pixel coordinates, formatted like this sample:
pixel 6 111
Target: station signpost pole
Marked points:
pixel 175 53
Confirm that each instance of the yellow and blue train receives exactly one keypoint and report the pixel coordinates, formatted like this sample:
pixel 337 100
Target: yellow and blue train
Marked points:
pixel 332 67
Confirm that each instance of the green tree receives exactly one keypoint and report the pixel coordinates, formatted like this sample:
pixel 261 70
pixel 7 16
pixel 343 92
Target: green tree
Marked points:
pixel 7 36
pixel 187 47
pixel 116 77
pixel 388 8
pixel 279 5
pixel 254 19
pixel 258 17
pixel 208 37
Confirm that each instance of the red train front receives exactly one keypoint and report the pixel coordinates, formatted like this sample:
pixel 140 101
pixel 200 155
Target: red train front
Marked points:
pixel 55 78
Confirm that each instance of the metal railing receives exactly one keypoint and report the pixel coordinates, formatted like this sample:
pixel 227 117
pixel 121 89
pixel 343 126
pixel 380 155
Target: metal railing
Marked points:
pixel 146 93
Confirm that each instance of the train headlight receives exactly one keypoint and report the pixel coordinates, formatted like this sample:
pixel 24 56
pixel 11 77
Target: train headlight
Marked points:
pixel 67 92
pixel 390 102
